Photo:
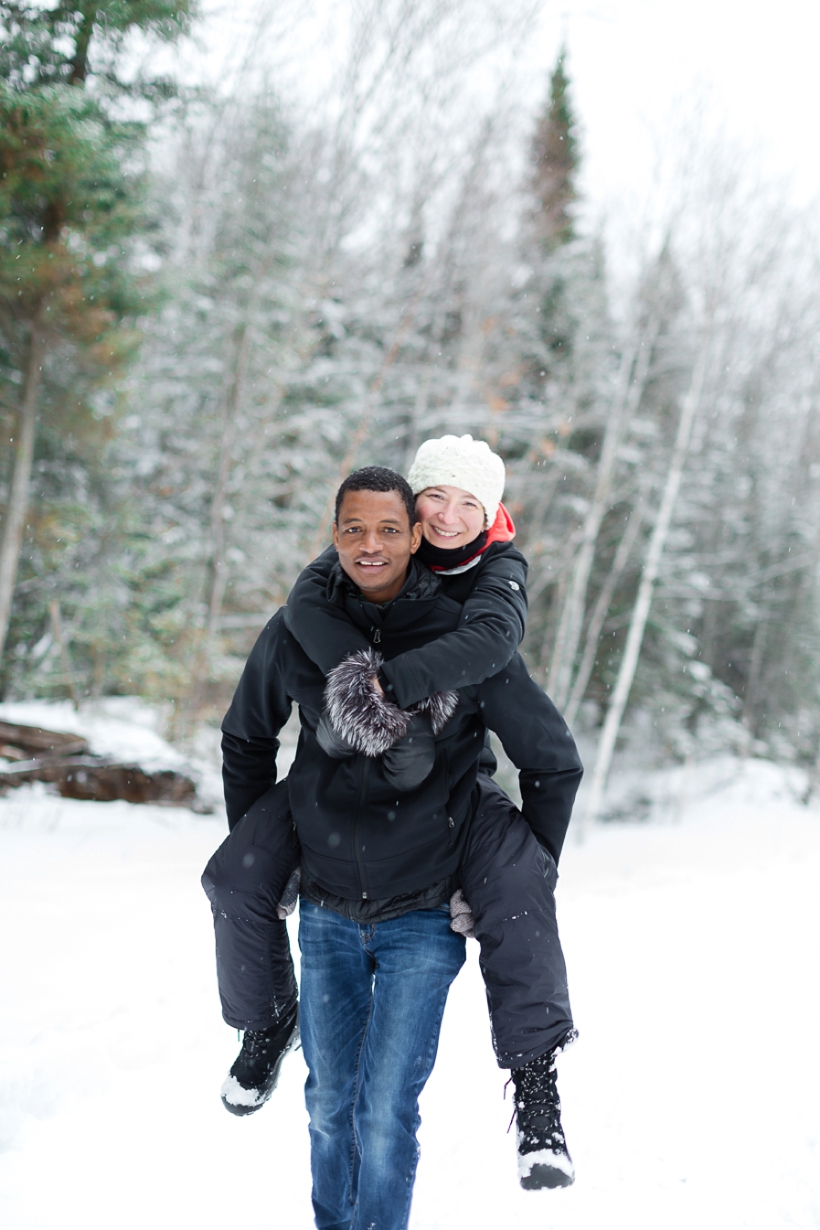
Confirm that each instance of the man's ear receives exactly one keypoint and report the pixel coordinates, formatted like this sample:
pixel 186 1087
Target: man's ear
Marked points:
pixel 335 536
pixel 415 538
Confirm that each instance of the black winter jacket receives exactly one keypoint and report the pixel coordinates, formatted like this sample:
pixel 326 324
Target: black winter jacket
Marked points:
pixel 489 630
pixel 359 840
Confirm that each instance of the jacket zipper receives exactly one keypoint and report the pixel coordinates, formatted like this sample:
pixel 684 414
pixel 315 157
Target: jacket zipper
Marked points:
pixel 357 854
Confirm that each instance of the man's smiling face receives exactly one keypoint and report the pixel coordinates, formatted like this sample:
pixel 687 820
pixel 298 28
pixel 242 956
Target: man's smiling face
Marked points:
pixel 375 541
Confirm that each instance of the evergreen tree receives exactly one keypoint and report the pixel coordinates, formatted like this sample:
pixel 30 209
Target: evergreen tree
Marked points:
pixel 69 207
pixel 554 159
pixel 235 424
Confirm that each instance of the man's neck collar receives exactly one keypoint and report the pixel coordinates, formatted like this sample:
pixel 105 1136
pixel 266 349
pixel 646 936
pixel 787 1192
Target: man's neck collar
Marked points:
pixel 420 583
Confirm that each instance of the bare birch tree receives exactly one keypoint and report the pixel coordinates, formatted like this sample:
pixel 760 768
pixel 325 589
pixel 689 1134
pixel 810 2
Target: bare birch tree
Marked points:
pixel 600 611
pixel 635 364
pixel 649 575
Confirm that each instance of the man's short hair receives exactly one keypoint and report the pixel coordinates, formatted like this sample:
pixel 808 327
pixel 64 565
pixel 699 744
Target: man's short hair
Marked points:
pixel 377 478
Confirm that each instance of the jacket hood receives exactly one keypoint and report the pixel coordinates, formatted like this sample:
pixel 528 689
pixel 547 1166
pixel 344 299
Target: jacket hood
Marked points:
pixel 502 529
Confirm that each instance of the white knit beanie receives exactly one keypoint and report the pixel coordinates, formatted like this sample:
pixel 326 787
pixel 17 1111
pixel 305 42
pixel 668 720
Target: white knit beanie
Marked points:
pixel 460 461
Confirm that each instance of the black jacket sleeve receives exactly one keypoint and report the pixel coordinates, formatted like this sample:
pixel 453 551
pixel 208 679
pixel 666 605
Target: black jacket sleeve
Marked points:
pixel 323 629
pixel 259 709
pixel 490 629
pixel 538 742
pixel 489 632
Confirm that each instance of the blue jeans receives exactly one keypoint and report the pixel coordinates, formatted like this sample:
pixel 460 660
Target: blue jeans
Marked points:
pixel 372 1001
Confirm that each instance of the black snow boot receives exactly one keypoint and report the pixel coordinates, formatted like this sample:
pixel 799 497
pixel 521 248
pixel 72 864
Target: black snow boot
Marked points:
pixel 543 1157
pixel 253 1077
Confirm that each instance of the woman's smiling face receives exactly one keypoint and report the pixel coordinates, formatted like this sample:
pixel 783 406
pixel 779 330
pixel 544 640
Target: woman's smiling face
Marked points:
pixel 450 517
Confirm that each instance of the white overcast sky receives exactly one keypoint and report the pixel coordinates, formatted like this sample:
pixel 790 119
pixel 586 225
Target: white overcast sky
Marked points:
pixel 638 67
pixel 636 62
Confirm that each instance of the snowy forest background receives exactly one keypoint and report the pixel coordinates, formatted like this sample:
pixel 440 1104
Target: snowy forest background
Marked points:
pixel 214 302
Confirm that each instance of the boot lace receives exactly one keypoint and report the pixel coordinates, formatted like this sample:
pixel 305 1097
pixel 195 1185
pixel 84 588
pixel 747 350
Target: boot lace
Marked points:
pixel 536 1100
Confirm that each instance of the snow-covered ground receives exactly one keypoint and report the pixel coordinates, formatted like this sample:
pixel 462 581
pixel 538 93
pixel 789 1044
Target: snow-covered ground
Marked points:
pixel 691 1099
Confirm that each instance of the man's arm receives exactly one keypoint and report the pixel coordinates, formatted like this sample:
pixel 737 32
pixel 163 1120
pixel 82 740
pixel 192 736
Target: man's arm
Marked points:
pixel 259 709
pixel 538 742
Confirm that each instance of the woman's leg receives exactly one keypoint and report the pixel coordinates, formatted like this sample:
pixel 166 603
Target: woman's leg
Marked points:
pixel 244 881
pixel 509 881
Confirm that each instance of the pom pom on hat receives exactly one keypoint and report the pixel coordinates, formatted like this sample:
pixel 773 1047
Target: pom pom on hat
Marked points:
pixel 460 461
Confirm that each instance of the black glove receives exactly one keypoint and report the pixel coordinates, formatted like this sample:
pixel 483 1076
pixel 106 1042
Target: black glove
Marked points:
pixel 331 742
pixel 372 722
pixel 407 763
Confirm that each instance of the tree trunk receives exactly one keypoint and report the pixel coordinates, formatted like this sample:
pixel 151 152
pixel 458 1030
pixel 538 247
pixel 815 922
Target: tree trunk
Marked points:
pixel 65 660
pixel 24 456
pixel 79 63
pixel 646 589
pixel 359 436
pixel 632 377
pixel 754 676
pixel 600 612
pixel 218 576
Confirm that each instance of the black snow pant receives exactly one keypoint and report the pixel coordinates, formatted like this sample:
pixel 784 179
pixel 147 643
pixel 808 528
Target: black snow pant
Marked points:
pixel 244 881
pixel 506 876
pixel 509 881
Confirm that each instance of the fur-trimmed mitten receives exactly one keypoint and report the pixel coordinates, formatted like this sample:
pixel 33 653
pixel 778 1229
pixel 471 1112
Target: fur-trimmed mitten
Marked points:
pixel 439 708
pixel 331 742
pixel 407 763
pixel 367 720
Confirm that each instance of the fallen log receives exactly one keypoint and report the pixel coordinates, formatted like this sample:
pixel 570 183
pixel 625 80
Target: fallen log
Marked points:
pixel 32 740
pixel 66 763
